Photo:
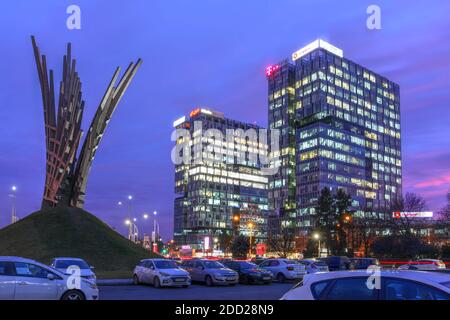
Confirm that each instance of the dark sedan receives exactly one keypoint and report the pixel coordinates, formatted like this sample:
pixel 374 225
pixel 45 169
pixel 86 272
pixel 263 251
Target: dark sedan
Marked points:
pixel 249 272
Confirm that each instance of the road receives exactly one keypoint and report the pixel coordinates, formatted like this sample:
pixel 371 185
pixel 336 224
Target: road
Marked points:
pixel 195 292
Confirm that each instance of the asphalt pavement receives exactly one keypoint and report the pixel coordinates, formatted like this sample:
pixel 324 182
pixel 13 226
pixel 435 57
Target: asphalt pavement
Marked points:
pixel 273 291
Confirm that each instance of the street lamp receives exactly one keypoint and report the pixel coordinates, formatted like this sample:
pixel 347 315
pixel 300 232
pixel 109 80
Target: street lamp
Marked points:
pixel 316 236
pixel 250 225
pixel 154 236
pixel 14 217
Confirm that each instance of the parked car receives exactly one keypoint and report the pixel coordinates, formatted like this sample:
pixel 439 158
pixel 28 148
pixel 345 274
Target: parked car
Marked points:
pixel 64 265
pixel 258 261
pixel 424 264
pixel 210 272
pixel 284 269
pixel 336 263
pixel 313 265
pixel 363 263
pixel 25 279
pixel 161 273
pixel 353 285
pixel 250 272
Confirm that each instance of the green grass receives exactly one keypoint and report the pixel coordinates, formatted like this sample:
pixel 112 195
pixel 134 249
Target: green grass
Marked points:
pixel 72 232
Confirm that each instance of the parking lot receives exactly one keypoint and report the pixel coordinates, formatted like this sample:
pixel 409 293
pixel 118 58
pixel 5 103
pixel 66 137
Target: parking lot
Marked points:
pixel 273 291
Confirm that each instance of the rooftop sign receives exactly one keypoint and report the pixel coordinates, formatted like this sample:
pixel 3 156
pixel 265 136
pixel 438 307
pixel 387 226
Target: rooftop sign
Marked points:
pixel 179 121
pixel 316 45
pixel 398 214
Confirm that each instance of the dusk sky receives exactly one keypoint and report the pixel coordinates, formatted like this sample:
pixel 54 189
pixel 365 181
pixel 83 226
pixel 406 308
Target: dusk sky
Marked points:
pixel 210 54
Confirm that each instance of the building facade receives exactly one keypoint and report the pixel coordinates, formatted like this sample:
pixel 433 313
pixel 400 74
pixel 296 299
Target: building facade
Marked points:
pixel 221 180
pixel 340 128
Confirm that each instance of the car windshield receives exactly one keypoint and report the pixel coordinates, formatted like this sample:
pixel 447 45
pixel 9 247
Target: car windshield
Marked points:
pixel 290 262
pixel 64 264
pixel 247 265
pixel 213 265
pixel 165 264
pixel 447 284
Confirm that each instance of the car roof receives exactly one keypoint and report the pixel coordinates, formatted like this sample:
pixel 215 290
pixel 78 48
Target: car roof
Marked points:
pixel 436 277
pixel 437 260
pixel 25 260
pixel 16 259
pixel 153 259
pixel 68 258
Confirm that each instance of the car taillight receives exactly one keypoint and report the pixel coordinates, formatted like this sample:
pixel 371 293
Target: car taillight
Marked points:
pixel 290 268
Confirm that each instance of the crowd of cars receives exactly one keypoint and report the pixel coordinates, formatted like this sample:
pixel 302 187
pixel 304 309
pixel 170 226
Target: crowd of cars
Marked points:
pixel 349 278
pixel 330 278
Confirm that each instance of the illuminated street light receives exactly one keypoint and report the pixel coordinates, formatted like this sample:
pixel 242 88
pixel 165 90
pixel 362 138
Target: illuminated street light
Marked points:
pixel 145 216
pixel 316 236
pixel 127 222
pixel 130 197
pixel 14 217
pixel 119 203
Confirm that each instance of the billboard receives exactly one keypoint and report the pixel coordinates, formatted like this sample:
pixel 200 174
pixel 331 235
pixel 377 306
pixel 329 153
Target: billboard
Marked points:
pixel 424 214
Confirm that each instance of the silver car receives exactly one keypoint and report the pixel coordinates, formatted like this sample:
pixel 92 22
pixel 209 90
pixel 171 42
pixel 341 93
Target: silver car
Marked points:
pixel 210 272
pixel 313 265
pixel 65 266
pixel 161 273
pixel 284 269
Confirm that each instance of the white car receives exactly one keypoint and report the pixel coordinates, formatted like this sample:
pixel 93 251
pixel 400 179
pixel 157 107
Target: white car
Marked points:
pixel 161 273
pixel 65 266
pixel 25 279
pixel 313 265
pixel 424 264
pixel 360 285
pixel 284 269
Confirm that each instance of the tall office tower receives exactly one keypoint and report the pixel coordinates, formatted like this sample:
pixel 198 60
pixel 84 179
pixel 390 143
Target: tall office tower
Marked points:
pixel 340 128
pixel 222 181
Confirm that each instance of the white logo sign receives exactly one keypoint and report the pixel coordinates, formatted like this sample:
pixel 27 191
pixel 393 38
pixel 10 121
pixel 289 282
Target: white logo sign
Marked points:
pixel 74 20
pixel 374 280
pixel 74 280
pixel 374 20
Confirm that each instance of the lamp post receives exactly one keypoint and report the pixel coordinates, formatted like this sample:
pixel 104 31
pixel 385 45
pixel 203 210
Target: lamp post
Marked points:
pixel 250 225
pixel 154 235
pixel 130 226
pixel 317 237
pixel 14 217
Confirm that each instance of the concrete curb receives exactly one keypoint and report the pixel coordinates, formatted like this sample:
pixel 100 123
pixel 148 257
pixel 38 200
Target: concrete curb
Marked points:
pixel 114 282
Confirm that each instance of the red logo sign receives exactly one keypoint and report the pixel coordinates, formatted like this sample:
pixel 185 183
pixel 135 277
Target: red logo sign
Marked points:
pixel 270 70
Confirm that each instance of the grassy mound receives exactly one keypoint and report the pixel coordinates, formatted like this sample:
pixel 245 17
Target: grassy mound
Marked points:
pixel 72 232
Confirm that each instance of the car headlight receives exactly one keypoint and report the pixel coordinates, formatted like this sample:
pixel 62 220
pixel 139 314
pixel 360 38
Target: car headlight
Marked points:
pixel 90 284
pixel 164 274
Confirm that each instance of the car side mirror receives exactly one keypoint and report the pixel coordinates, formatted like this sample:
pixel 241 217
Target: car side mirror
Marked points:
pixel 50 276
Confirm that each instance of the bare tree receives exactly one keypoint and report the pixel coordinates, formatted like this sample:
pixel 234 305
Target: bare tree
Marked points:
pixel 411 202
pixel 445 211
pixel 283 243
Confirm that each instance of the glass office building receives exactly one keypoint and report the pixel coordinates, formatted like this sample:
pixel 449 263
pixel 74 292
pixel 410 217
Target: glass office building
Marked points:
pixel 222 180
pixel 340 128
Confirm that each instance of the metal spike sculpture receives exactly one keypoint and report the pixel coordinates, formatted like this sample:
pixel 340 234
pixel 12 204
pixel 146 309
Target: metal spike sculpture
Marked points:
pixel 66 175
